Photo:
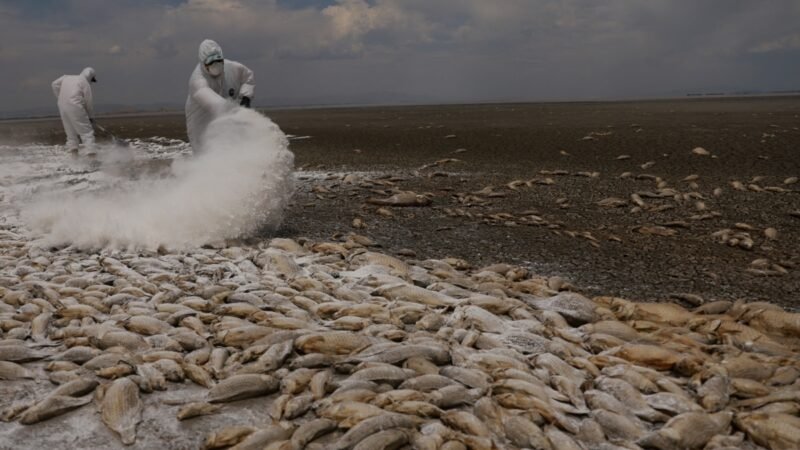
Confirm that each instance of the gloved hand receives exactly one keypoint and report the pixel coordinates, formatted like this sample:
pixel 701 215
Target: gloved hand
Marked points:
pixel 245 102
pixel 91 120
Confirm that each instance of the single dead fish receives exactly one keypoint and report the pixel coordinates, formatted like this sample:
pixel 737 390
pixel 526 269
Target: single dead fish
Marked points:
pixel 121 409
pixel 196 409
pixel 405 198
pixel 239 387
pixel 691 430
pixel 52 406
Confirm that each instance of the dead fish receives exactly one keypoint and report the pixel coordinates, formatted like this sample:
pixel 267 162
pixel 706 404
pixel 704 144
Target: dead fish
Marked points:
pixel 198 375
pixel 313 361
pixel 571 390
pixel 426 383
pixel 147 325
pixel 718 307
pixel 612 202
pixel 724 442
pixel 52 406
pixel 384 440
pixel 383 372
pixel 296 381
pixel 39 326
pixel 196 409
pixel 349 413
pixel 319 383
pixel 468 377
pixel 672 403
pixel 779 396
pixel 114 372
pixel 576 308
pixel 121 409
pixel 259 439
pixel 405 198
pixel 617 329
pixel 421 366
pixel 277 406
pixel 384 399
pixel 78 354
pixel 309 431
pixel 227 437
pixel 771 233
pixel 744 388
pixel 525 434
pixel 630 397
pixel 715 393
pixel 13 371
pixel 617 426
pixel 668 313
pixel 407 292
pixel 372 426
pixel 150 378
pixel 239 387
pixel 747 366
pixel 603 400
pixel 654 356
pixel 453 445
pixel 104 360
pixel 298 406
pixel 560 440
pixel 774 431
pixel 691 430
pixel 632 376
pixel 15 409
pixel 332 342
pixel 171 370
pixel 19 353
pixel 417 408
pixel 466 423
pixel 274 357
pixel 399 353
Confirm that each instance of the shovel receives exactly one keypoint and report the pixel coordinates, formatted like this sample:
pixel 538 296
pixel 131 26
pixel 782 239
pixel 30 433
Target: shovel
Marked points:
pixel 116 141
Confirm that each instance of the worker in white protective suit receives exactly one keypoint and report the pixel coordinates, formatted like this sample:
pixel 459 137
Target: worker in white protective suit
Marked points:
pixel 216 86
pixel 75 105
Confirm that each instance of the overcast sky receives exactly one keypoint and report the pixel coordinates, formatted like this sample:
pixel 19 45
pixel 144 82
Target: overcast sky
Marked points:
pixel 389 51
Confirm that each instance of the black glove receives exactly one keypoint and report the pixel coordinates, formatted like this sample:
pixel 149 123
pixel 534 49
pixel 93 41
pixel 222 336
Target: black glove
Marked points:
pixel 92 121
pixel 245 102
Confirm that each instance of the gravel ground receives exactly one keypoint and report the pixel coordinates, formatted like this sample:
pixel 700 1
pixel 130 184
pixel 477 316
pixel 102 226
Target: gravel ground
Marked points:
pixel 569 153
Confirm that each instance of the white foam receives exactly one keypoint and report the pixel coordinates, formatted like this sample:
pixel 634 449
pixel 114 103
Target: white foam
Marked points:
pixel 240 185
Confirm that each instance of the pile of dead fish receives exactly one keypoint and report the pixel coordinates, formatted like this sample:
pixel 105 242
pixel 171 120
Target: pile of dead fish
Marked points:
pixel 353 349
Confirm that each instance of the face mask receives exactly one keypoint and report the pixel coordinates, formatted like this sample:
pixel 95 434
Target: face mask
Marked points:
pixel 215 68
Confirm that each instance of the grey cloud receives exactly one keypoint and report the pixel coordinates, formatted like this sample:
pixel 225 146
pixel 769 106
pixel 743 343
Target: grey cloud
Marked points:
pixel 791 42
pixel 421 50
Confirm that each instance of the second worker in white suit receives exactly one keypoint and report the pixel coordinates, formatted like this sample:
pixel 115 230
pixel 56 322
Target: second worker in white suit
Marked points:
pixel 75 105
pixel 216 86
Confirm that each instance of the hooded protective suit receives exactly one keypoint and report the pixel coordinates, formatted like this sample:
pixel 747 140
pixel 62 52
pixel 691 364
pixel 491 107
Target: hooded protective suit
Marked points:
pixel 210 96
pixel 74 96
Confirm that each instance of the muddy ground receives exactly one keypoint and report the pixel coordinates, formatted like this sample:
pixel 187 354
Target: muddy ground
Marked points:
pixel 553 226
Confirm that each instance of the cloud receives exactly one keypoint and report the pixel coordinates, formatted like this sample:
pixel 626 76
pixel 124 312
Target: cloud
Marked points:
pixel 791 42
pixel 422 50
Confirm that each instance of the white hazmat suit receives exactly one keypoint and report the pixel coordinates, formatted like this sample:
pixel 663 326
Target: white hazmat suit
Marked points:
pixel 75 104
pixel 211 95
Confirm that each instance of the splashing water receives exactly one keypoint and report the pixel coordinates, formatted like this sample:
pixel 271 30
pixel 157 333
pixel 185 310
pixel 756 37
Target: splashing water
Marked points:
pixel 241 184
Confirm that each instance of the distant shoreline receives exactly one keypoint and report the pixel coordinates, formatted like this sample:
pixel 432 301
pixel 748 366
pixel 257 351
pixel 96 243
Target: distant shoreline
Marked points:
pixel 689 96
